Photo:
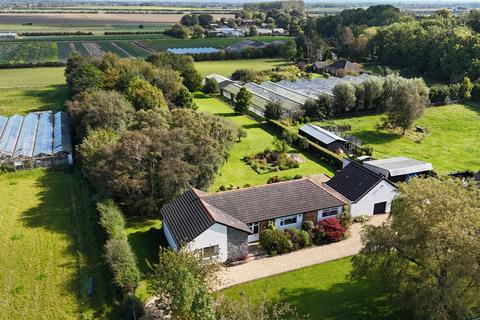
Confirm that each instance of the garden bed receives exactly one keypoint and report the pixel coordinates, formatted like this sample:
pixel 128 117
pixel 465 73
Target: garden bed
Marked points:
pixel 272 161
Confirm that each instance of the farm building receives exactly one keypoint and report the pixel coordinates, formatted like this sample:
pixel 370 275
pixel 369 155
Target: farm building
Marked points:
pixel 40 139
pixel 337 67
pixel 399 168
pixel 220 225
pixel 192 50
pixel 322 137
pixel 367 192
pixel 8 36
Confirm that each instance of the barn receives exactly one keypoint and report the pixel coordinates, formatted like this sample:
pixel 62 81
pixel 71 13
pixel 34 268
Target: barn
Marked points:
pixel 38 139
pixel 322 137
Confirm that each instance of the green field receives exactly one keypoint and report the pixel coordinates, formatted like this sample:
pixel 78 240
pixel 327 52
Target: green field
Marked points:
pixel 452 144
pixel 322 291
pixel 97 29
pixel 227 67
pixel 235 171
pixel 49 247
pixel 32 89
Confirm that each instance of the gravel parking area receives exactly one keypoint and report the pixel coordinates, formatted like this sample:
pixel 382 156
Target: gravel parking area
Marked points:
pixel 268 266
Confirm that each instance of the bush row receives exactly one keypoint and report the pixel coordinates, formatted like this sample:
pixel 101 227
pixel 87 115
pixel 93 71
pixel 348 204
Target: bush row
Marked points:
pixel 118 253
pixel 40 34
pixel 313 148
pixel 272 50
pixel 32 65
pixel 276 241
pixel 112 33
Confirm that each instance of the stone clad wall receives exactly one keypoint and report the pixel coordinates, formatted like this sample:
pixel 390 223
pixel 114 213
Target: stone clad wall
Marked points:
pixel 237 244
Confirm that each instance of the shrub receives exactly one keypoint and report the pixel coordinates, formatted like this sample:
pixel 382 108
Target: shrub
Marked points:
pixel 345 219
pixel 308 225
pixel 211 86
pixel 129 309
pixel 123 263
pixel 361 219
pixel 294 238
pixel 334 231
pixel 305 240
pixel 275 241
pixel 318 235
pixel 111 219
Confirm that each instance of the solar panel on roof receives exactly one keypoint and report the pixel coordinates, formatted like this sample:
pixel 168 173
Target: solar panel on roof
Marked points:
pixel 44 141
pixel 10 135
pixel 61 134
pixel 26 137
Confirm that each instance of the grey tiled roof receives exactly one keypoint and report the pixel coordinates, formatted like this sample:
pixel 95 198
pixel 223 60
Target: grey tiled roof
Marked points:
pixel 188 216
pixel 273 200
pixel 354 181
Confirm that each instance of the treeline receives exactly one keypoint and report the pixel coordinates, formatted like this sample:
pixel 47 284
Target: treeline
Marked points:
pixel 32 65
pixel 40 34
pixel 139 139
pixel 112 33
pixel 441 46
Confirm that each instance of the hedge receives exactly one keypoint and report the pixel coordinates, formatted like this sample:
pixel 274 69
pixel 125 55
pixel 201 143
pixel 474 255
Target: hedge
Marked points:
pixel 313 148
pixel 32 65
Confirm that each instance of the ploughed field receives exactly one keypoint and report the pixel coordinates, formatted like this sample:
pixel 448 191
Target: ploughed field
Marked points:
pixel 59 48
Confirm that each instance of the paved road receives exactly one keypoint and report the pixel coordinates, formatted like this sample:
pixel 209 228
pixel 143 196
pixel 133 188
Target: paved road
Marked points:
pixel 265 267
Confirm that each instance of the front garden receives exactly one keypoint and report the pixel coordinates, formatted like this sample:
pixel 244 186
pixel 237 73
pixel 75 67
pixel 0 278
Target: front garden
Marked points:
pixel 277 241
pixel 274 160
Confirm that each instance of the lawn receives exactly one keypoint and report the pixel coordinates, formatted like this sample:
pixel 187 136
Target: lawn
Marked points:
pixel 36 89
pixel 453 142
pixel 235 171
pixel 227 67
pixel 322 291
pixel 49 244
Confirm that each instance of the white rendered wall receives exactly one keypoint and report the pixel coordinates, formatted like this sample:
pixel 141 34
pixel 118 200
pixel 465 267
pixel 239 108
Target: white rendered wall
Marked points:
pixel 169 237
pixel 215 235
pixel 380 193
pixel 297 225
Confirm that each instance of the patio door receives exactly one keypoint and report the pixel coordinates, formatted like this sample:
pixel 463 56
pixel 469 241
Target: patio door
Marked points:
pixel 254 226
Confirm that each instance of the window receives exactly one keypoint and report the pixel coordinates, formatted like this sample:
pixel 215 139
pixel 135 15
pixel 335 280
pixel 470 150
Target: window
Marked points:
pixel 329 212
pixel 254 227
pixel 288 221
pixel 209 252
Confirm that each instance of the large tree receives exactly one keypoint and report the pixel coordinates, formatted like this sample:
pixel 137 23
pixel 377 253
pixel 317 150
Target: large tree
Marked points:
pixel 428 254
pixel 406 101
pixel 344 97
pixel 242 101
pixel 145 96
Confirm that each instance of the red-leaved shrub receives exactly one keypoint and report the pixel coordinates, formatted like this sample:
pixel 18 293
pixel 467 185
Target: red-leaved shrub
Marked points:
pixel 334 231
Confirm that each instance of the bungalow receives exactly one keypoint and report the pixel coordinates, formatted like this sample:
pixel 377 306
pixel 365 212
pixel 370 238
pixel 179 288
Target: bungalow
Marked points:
pixel 338 67
pixel 366 191
pixel 322 137
pixel 221 225
pixel 399 169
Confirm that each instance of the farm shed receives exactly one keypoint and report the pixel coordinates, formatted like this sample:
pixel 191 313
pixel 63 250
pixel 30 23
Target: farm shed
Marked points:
pixel 399 168
pixel 192 50
pixel 368 192
pixel 322 137
pixel 40 139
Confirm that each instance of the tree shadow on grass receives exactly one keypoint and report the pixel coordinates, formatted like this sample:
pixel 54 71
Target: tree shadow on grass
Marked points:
pixel 227 114
pixel 65 208
pixel 146 245
pixel 51 97
pixel 474 106
pixel 376 136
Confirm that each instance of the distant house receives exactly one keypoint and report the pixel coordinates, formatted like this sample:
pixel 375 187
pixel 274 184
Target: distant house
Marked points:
pixel 399 169
pixel 8 36
pixel 221 225
pixel 279 31
pixel 248 22
pixel 322 137
pixel 367 192
pixel 318 66
pixel 217 77
pixel 338 67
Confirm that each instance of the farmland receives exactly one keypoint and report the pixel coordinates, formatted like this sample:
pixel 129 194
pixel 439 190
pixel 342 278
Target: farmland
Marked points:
pixel 456 126
pixel 26 90
pixel 235 171
pixel 49 244
pixel 139 46
pixel 227 67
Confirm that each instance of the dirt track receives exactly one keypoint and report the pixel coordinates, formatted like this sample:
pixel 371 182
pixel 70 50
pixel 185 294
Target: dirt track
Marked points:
pixel 96 18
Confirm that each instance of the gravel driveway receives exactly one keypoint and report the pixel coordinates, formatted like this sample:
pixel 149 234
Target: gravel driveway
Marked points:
pixel 268 266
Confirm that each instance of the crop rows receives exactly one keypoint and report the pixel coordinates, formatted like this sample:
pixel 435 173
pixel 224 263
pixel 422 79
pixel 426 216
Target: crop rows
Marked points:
pixel 159 44
pixel 134 49
pixel 109 47
pixel 29 52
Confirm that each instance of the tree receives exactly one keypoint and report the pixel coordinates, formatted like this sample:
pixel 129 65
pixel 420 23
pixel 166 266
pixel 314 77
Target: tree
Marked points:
pixel 290 50
pixel 373 88
pixel 169 81
pixel 242 101
pixel 178 31
pixel 92 145
pixel 184 99
pixel 211 86
pixel 273 110
pixel 145 96
pixel 85 77
pixel 253 31
pixel 466 89
pixel 344 97
pixel 197 32
pixel 428 255
pixel 406 102
pixel 241 133
pixel 476 92
pixel 189 20
pixel 100 109
pixel 182 278
pixel 205 19
pixel 319 109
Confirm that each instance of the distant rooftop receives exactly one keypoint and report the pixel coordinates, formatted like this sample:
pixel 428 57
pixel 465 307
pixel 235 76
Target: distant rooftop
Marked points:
pixel 398 166
pixel 192 50
pixel 320 134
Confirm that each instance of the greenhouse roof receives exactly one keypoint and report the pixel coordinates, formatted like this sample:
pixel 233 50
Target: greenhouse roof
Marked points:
pixel 192 50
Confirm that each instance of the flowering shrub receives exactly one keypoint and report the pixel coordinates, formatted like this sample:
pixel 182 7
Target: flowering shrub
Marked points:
pixel 300 239
pixel 275 241
pixel 334 231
